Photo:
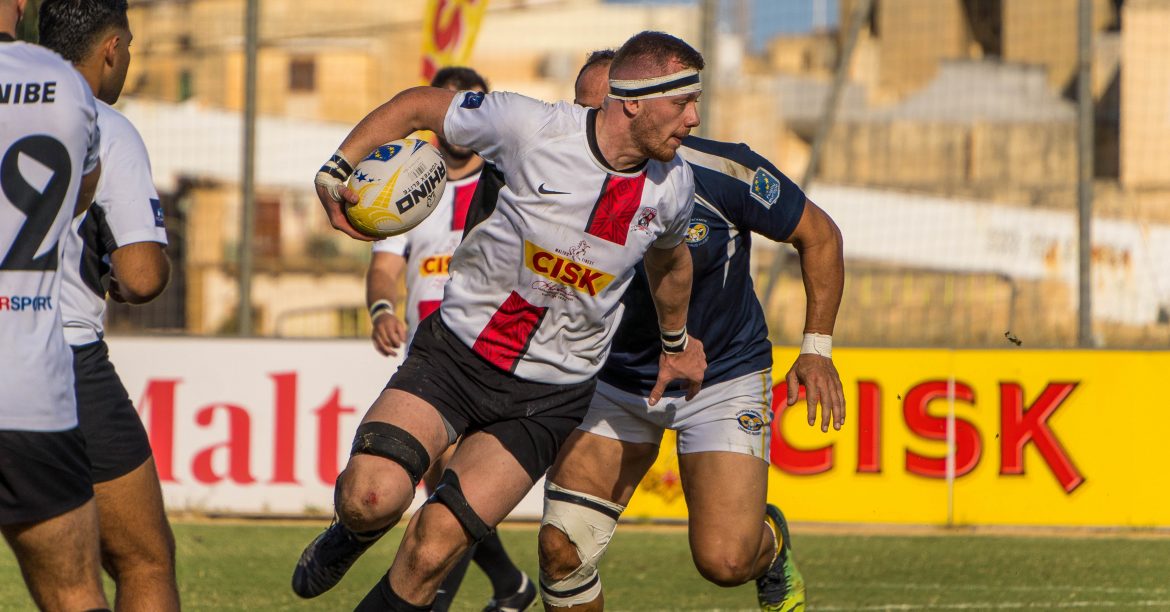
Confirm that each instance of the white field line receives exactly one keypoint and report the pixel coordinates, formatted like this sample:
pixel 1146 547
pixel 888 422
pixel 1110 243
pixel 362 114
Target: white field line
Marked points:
pixel 1003 605
pixel 1019 588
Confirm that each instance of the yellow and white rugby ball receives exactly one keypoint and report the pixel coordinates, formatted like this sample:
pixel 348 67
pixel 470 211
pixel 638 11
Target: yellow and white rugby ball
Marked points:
pixel 398 186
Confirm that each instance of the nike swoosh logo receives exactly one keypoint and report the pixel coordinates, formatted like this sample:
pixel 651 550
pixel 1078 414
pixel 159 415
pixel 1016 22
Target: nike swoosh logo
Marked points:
pixel 544 191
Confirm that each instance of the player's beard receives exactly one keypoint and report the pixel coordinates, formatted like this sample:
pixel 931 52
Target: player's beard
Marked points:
pixel 647 139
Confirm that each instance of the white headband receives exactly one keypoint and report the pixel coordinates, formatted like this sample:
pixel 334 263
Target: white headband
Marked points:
pixel 679 83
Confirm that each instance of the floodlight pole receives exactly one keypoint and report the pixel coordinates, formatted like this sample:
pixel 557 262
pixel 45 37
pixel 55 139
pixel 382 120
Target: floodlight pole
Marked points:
pixel 709 41
pixel 248 173
pixel 1084 174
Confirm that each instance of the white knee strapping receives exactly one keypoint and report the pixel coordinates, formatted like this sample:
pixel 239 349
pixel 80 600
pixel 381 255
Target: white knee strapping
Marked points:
pixel 589 523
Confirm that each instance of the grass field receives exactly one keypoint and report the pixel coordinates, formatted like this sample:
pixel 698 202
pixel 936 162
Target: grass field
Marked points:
pixel 234 566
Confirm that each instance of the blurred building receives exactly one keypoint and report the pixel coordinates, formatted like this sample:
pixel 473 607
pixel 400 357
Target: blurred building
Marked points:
pixel 970 104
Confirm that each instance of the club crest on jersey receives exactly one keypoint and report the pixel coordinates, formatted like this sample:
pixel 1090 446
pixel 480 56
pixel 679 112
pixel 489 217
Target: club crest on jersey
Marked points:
pixel 472 99
pixel 644 218
pixel 765 188
pixel 750 421
pixel 564 271
pixel 697 233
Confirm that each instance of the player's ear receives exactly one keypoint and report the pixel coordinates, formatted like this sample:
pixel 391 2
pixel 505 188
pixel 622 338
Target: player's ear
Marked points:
pixel 631 107
pixel 109 48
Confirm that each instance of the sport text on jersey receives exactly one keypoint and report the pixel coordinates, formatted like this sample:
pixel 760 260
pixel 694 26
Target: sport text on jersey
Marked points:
pixel 18 303
pixel 564 271
pixel 28 93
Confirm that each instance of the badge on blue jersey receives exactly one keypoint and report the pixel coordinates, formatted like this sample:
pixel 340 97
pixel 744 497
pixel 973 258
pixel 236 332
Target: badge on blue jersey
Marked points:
pixel 765 188
pixel 156 208
pixel 472 99
pixel 697 233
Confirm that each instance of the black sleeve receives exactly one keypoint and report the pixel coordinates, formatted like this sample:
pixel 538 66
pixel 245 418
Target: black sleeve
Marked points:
pixel 483 201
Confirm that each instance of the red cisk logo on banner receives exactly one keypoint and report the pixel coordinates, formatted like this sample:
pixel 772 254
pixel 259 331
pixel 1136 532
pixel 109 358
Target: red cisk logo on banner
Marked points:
pixel 1020 425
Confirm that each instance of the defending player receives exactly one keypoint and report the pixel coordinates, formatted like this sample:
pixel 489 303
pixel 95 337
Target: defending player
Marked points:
pixel 427 251
pixel 723 433
pixel 509 360
pixel 123 229
pixel 48 169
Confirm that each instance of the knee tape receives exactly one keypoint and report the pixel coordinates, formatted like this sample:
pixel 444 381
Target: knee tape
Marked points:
pixel 589 523
pixel 450 494
pixel 393 443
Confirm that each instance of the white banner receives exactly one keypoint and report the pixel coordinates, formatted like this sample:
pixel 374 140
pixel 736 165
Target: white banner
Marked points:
pixel 255 426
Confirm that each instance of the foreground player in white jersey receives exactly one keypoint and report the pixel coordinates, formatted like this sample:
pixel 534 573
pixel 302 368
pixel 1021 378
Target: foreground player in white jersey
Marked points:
pixel 48 169
pixel 424 254
pixel 724 432
pixel 527 317
pixel 123 229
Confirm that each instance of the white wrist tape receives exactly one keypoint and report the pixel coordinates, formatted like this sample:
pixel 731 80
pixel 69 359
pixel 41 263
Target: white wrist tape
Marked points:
pixel 380 308
pixel 817 344
pixel 674 341
pixel 333 174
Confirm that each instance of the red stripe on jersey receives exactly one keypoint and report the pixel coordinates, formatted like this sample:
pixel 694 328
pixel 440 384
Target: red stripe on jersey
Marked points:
pixel 463 195
pixel 509 331
pixel 620 198
pixel 426 307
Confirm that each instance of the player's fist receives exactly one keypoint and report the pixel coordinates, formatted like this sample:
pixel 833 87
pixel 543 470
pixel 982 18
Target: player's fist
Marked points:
pixel 688 365
pixel 388 334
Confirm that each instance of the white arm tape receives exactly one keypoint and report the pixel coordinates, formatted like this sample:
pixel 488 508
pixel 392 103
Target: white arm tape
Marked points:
pixel 817 344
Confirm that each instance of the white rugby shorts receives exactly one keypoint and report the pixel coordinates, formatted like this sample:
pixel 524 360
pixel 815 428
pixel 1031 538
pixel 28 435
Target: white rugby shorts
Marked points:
pixel 731 416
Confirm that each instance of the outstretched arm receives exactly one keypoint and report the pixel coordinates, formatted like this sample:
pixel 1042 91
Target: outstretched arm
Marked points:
pixel 822 265
pixel 418 108
pixel 388 331
pixel 669 273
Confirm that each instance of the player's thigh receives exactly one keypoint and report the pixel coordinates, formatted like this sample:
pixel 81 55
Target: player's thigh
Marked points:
pixel 601 466
pixel 493 481
pixel 133 521
pixel 725 494
pixel 68 540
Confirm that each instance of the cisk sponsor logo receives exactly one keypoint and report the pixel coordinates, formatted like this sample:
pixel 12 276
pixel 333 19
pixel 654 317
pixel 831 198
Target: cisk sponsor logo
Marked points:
pixel 564 271
pixel 435 265
pixel 1021 425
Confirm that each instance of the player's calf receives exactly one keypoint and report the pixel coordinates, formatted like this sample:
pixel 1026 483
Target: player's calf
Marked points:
pixel 574 533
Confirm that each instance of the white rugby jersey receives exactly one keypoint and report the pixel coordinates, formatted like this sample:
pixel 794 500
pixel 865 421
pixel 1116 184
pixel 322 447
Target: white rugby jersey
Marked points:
pixel 428 249
pixel 48 141
pixel 125 210
pixel 536 288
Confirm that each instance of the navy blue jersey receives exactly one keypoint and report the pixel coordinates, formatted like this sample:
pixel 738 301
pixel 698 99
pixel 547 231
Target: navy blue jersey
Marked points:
pixel 737 192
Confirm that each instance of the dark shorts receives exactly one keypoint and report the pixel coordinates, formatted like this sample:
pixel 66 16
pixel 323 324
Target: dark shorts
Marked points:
pixel 115 439
pixel 530 419
pixel 42 474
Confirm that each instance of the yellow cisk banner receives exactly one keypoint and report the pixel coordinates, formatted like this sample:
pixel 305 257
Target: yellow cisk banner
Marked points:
pixel 449 29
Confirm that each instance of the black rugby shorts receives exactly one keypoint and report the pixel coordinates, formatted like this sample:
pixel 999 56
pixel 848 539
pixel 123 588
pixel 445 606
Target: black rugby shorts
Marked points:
pixel 530 419
pixel 43 474
pixel 115 439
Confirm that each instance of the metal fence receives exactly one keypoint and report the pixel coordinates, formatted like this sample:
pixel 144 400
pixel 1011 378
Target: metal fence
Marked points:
pixel 959 144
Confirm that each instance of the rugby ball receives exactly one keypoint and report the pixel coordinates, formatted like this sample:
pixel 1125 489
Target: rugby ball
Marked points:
pixel 398 185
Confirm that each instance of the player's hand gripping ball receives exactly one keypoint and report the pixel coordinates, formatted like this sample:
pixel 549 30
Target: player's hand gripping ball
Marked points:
pixel 398 186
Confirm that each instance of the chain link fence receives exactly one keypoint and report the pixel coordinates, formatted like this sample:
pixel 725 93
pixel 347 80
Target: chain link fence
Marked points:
pixel 944 132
